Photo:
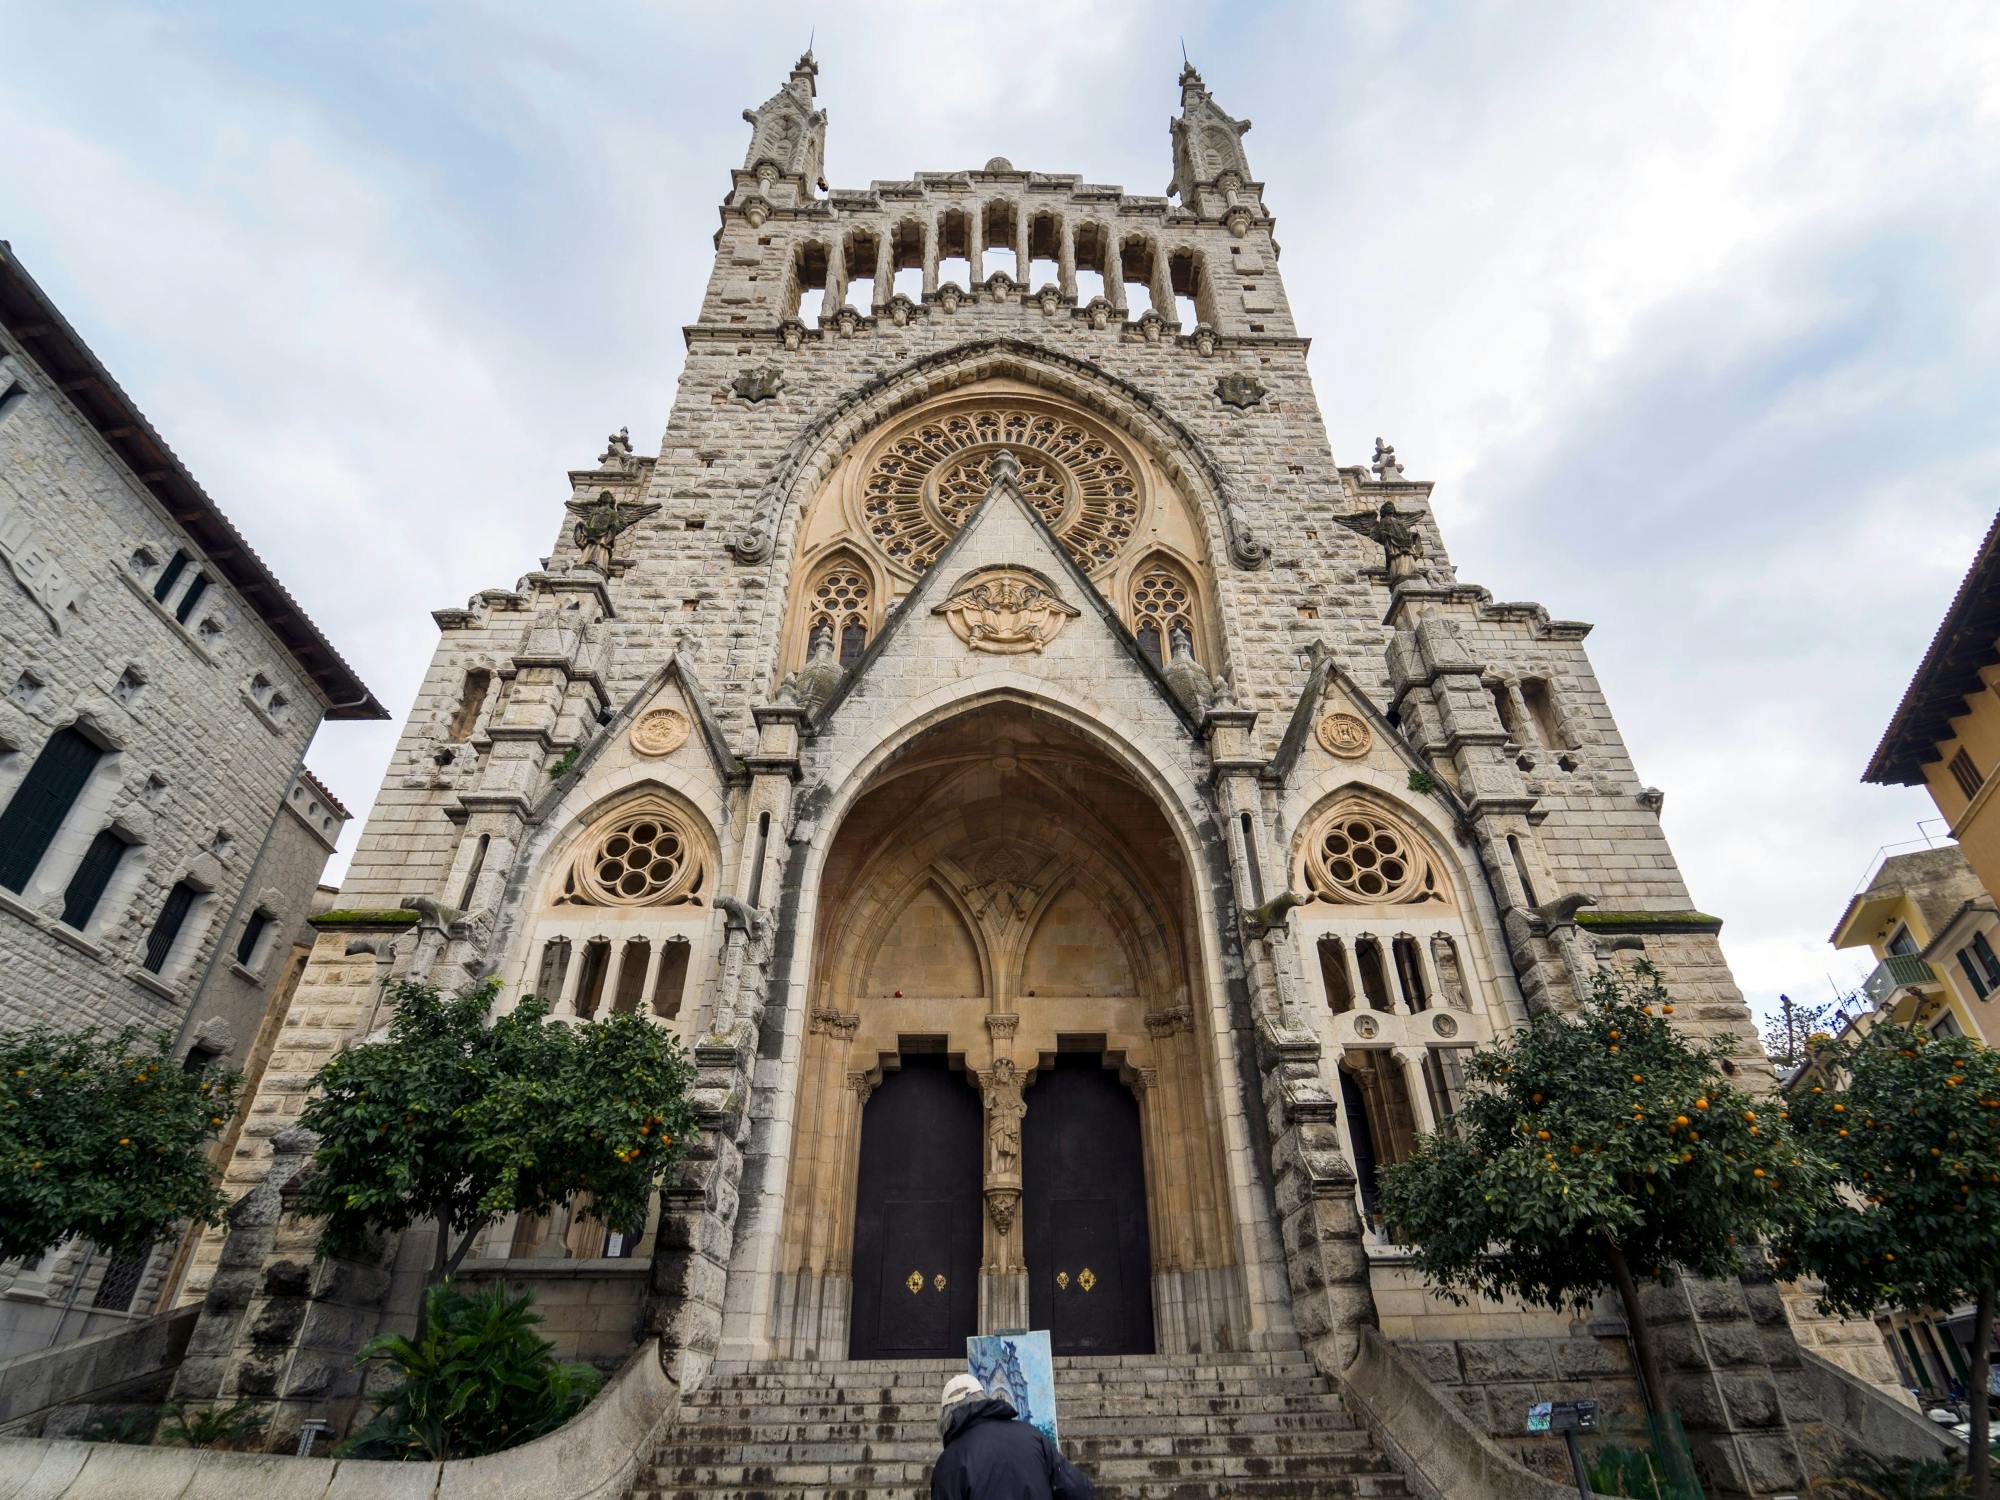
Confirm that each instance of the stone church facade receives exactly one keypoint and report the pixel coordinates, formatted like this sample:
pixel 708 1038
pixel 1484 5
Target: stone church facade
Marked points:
pixel 1077 825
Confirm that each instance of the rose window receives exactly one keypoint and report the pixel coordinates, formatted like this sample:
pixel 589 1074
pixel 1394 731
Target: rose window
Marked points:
pixel 1362 858
pixel 922 484
pixel 645 858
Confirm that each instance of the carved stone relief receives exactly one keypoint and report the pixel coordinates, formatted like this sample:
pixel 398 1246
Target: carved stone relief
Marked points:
pixel 1346 735
pixel 1005 612
pixel 660 731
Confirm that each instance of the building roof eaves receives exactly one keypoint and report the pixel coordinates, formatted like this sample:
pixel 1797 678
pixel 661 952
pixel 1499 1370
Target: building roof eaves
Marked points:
pixel 39 326
pixel 1963 644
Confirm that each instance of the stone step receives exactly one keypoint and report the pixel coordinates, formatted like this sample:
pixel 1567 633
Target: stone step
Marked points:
pixel 711 1446
pixel 728 1428
pixel 917 1391
pixel 1371 1486
pixel 1265 1426
pixel 1064 1364
pixel 761 1411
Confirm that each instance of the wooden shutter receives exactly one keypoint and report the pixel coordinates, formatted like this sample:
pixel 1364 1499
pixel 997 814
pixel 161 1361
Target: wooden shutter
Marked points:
pixel 41 802
pixel 180 901
pixel 92 878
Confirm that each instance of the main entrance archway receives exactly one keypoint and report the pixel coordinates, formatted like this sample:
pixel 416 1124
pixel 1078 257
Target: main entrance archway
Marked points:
pixel 1004 903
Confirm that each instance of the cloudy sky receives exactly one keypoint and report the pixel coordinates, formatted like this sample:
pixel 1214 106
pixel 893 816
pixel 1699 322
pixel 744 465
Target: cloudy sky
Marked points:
pixel 1689 309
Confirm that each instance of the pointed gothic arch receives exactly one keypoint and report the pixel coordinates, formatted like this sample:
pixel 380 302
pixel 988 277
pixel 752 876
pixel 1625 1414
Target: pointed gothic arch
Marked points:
pixel 1069 874
pixel 824 442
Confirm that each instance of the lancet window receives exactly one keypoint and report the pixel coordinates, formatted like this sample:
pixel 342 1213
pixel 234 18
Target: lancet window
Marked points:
pixel 843 605
pixel 1163 610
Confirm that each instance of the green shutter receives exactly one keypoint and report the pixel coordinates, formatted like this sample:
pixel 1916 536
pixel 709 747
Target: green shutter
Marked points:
pixel 41 802
pixel 92 878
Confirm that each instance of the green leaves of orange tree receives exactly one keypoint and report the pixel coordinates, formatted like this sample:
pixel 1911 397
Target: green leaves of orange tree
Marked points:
pixel 103 1135
pixel 453 1119
pixel 1607 1131
pixel 1912 1124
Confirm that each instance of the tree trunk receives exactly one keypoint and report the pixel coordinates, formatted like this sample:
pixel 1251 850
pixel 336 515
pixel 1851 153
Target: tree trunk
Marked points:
pixel 464 1245
pixel 1979 1463
pixel 1654 1387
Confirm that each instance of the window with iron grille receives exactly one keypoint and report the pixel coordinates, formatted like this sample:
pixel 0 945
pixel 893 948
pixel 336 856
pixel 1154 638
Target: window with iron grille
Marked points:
pixel 41 802
pixel 173 916
pixel 122 1275
pixel 92 878
pixel 1966 774
pixel 253 934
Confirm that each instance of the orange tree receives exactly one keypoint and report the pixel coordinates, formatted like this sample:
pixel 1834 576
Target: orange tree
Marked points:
pixel 1599 1150
pixel 103 1134
pixel 458 1119
pixel 1912 1125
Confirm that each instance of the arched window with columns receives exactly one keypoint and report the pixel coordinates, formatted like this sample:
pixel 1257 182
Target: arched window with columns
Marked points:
pixel 624 909
pixel 1404 983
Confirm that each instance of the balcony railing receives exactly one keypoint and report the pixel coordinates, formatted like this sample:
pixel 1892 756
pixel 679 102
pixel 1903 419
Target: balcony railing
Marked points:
pixel 1897 971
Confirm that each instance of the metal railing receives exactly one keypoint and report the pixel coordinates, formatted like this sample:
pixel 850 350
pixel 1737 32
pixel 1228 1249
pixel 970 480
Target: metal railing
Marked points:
pixel 1897 971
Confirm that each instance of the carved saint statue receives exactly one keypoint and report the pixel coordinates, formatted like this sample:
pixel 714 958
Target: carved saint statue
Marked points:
pixel 599 524
pixel 1004 1111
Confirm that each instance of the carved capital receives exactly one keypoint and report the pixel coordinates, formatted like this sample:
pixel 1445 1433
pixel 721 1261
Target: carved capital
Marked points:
pixel 1002 1028
pixel 1000 1206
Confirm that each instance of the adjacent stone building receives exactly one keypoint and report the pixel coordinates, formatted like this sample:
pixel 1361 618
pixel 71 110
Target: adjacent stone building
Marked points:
pixel 160 838
pixel 1078 824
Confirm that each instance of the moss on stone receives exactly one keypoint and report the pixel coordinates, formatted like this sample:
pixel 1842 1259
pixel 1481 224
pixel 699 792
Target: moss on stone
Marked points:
pixel 1649 921
pixel 388 917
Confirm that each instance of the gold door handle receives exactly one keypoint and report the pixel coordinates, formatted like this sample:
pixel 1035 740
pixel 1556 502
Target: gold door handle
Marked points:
pixel 1062 1280
pixel 938 1281
pixel 915 1282
pixel 1086 1278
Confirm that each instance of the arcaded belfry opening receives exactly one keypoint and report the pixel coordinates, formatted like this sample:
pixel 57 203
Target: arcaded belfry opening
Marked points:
pixel 1003 901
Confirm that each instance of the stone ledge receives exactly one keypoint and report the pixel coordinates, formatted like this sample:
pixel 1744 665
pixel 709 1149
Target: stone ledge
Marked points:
pixel 346 920
pixel 1648 921
pixel 594 1457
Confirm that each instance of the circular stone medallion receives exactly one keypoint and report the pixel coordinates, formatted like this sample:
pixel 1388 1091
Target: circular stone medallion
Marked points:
pixel 1444 1025
pixel 1366 1026
pixel 1345 735
pixel 660 731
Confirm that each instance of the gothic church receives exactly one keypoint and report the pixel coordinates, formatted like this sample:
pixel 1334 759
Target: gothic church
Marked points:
pixel 1077 825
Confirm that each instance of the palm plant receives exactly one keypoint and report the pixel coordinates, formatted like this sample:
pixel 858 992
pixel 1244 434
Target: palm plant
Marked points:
pixel 1865 1476
pixel 476 1379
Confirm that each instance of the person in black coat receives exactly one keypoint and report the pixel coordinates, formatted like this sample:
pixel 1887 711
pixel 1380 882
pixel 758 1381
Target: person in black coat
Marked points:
pixel 988 1455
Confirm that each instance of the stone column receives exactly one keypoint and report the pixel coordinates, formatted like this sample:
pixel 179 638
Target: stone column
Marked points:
pixel 1319 1225
pixel 1003 1273
pixel 836 279
pixel 975 245
pixel 698 1205
pixel 933 237
pixel 1114 273
pixel 1066 257
pixel 885 269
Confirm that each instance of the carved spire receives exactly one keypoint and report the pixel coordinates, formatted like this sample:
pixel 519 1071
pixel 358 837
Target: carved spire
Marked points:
pixel 1211 173
pixel 787 153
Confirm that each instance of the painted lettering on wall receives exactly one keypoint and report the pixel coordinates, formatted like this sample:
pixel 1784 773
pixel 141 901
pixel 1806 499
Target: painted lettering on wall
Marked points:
pixel 34 564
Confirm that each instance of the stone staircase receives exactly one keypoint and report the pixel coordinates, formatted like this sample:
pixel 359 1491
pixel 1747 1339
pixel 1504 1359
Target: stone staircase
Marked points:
pixel 1143 1427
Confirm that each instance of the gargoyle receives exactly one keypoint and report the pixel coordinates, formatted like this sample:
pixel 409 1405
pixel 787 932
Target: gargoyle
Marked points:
pixel 446 921
pixel 1560 912
pixel 741 916
pixel 1272 913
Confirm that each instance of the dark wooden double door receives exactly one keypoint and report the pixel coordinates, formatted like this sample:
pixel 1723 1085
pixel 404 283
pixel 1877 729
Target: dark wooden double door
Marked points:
pixel 917 1228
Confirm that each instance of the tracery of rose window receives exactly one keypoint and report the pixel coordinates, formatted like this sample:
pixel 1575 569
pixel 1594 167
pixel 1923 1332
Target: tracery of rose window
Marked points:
pixel 923 482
